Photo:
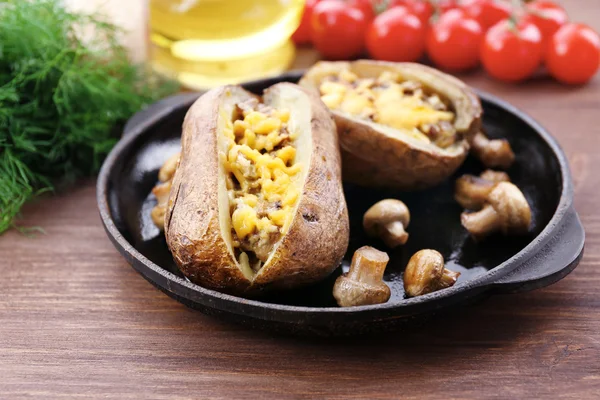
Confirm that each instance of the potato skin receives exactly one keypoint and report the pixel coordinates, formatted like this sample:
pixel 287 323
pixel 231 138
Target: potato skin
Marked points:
pixel 371 158
pixel 317 237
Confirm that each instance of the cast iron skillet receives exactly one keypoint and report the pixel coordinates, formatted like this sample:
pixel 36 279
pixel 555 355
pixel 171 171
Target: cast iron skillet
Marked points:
pixel 499 265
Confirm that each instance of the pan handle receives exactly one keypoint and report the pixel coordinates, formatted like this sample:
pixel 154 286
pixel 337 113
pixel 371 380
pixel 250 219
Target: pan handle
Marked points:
pixel 557 259
pixel 161 107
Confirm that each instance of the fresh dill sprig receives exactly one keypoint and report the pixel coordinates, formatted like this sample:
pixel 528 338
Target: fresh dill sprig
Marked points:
pixel 61 97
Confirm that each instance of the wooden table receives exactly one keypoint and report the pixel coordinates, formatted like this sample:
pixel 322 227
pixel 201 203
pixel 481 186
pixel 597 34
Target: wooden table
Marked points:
pixel 77 322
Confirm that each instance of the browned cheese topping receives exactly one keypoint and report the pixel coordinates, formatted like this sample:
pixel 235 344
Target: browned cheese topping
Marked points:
pixel 388 100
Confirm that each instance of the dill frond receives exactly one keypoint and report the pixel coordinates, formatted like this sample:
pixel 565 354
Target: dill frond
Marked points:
pixel 61 97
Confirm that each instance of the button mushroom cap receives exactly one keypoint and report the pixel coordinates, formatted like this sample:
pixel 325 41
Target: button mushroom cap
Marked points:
pixel 425 273
pixel 471 191
pixel 495 153
pixel 387 220
pixel 507 211
pixel 363 284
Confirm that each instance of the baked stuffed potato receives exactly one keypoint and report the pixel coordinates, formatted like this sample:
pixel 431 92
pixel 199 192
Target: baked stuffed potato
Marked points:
pixel 256 201
pixel 400 125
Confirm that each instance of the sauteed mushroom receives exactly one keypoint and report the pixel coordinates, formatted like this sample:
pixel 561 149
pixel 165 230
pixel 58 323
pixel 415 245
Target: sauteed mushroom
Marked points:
pixel 495 153
pixel 494 176
pixel 425 273
pixel 387 219
pixel 162 190
pixel 168 169
pixel 471 191
pixel 507 211
pixel 363 284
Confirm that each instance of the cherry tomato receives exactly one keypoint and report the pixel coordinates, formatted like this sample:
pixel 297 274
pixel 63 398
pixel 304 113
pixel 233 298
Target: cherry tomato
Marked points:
pixel 366 6
pixel 396 35
pixel 338 31
pixel 421 8
pixel 487 12
pixel 454 41
pixel 546 4
pixel 446 5
pixel 547 16
pixel 424 9
pixel 512 53
pixel 302 34
pixel 573 54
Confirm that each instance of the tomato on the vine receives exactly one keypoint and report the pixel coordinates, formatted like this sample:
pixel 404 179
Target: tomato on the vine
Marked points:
pixel 454 41
pixel 487 12
pixel 547 16
pixel 573 54
pixel 302 34
pixel 366 6
pixel 512 53
pixel 422 9
pixel 446 5
pixel 546 4
pixel 338 31
pixel 396 35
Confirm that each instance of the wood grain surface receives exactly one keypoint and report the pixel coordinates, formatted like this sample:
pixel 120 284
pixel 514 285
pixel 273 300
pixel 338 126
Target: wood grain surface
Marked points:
pixel 77 322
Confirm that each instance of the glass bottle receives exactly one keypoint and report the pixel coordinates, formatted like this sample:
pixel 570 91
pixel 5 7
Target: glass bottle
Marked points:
pixel 208 43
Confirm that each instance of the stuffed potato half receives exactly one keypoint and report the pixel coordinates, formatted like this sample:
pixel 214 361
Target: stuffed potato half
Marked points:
pixel 400 125
pixel 256 201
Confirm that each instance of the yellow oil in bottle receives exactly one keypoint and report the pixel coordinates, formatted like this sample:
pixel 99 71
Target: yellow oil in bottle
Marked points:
pixel 207 43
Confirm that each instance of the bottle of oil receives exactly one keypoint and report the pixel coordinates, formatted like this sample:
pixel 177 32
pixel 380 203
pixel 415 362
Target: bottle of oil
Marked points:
pixel 207 43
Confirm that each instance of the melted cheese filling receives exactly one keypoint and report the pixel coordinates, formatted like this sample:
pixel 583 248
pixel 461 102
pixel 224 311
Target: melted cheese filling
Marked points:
pixel 387 100
pixel 261 179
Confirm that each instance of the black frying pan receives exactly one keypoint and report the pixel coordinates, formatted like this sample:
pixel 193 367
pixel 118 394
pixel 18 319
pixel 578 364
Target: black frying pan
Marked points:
pixel 498 265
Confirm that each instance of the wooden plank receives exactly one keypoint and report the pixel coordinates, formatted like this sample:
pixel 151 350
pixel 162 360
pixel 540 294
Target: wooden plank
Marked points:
pixel 77 322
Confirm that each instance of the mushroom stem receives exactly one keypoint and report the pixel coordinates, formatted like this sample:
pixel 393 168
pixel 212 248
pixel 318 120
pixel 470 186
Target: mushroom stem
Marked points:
pixel 448 279
pixel 368 265
pixel 482 222
pixel 394 234
pixel 363 284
